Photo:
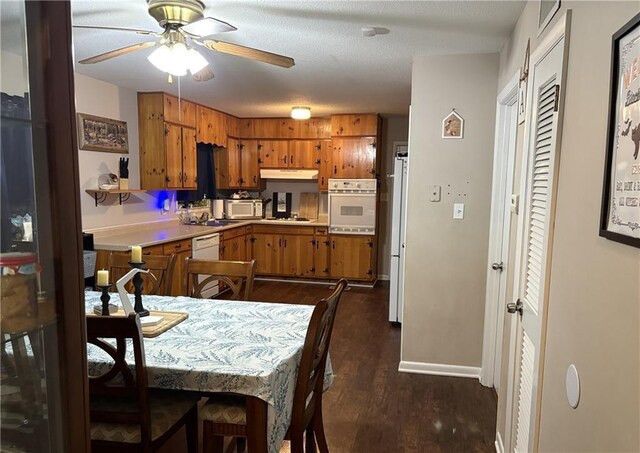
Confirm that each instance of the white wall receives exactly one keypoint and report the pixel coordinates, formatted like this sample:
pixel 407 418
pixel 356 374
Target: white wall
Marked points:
pixel 13 74
pixel 446 258
pixel 100 98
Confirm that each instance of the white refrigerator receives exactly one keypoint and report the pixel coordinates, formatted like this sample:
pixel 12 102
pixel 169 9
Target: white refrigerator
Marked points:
pixel 398 229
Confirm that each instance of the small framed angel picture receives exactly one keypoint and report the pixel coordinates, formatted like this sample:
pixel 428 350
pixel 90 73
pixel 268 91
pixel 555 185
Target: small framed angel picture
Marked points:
pixel 453 125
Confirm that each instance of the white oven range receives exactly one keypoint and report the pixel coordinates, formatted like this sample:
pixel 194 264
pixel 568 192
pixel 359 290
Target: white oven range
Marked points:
pixel 352 206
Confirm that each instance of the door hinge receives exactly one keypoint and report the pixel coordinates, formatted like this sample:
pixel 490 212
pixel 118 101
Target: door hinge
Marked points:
pixel 318 147
pixel 369 272
pixel 370 244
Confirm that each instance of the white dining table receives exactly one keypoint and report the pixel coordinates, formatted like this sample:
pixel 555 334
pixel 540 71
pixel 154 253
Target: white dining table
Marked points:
pixel 248 348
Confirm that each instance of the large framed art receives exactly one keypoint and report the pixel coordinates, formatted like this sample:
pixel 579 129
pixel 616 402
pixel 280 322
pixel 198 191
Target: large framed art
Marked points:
pixel 620 215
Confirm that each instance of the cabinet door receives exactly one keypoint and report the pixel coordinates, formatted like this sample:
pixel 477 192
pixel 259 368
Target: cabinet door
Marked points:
pixel 326 165
pixel 250 168
pixel 354 157
pixel 297 255
pixel 273 153
pixel 189 160
pixel 234 162
pixel 303 154
pixel 235 249
pixel 354 125
pixel 173 145
pixel 321 256
pixel 352 257
pixel 179 111
pixel 267 253
pixel 204 125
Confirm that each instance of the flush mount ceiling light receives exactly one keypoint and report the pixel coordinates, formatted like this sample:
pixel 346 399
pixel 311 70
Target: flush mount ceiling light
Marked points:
pixel 300 113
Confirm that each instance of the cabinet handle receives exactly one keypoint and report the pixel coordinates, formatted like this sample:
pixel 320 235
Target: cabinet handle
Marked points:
pixel 285 159
pixel 291 159
pixel 185 177
pixel 146 253
pixel 255 179
pixel 179 246
pixel 335 169
pixel 279 242
pixel 333 245
pixel 322 181
pixel 285 243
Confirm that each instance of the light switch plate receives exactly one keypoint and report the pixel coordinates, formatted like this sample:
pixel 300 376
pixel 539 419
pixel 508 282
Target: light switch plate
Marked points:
pixel 458 211
pixel 434 193
pixel 515 203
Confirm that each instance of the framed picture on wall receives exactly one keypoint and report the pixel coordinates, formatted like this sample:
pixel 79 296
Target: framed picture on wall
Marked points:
pixel 452 125
pixel 102 134
pixel 547 9
pixel 620 215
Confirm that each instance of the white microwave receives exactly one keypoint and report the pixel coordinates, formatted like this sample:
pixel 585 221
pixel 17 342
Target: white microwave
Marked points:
pixel 243 209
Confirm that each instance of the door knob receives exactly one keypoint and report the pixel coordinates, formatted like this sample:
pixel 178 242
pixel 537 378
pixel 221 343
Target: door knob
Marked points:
pixel 517 307
pixel 497 266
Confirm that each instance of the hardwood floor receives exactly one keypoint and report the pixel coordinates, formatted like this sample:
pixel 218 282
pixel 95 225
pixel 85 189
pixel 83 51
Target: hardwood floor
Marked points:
pixel 371 407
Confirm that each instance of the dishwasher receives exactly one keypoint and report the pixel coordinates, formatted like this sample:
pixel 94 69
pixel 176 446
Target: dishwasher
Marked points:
pixel 207 248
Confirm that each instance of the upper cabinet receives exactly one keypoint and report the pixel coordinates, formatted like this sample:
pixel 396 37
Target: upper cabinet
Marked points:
pixel 354 125
pixel 167 138
pixel 298 154
pixel 178 111
pixel 285 128
pixel 211 126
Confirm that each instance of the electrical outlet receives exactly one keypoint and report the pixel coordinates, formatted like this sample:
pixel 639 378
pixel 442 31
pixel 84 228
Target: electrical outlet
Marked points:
pixel 434 193
pixel 458 211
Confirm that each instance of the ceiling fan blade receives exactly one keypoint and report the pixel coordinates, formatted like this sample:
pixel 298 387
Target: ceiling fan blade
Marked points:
pixel 118 52
pixel 249 52
pixel 204 74
pixel 134 30
pixel 206 27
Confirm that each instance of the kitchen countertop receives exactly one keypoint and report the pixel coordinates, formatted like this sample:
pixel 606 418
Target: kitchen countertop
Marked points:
pixel 147 235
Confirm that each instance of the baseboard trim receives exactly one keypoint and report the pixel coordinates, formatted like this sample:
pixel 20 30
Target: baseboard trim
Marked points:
pixel 439 369
pixel 498 443
pixel 383 277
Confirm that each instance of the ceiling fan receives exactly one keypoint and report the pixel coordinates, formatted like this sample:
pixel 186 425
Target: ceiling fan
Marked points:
pixel 184 23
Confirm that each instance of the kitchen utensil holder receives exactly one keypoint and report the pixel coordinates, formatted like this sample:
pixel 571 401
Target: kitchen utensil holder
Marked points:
pixel 105 298
pixel 137 285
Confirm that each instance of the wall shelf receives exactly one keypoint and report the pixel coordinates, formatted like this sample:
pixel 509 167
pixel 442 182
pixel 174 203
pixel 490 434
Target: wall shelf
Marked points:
pixel 101 195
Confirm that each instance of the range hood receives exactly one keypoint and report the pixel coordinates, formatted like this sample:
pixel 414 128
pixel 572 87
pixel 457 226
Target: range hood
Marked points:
pixel 288 174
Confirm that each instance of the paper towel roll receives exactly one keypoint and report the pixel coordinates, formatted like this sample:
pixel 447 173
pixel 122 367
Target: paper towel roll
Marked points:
pixel 218 209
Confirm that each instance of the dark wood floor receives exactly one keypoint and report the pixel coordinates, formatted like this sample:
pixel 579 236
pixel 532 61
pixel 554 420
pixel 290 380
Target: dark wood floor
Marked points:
pixel 372 407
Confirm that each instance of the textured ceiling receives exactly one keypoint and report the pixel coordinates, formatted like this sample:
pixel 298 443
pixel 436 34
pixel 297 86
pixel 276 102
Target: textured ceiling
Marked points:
pixel 337 69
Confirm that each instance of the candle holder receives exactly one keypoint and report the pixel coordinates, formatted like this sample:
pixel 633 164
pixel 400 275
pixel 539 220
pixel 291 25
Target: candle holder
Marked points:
pixel 105 298
pixel 137 285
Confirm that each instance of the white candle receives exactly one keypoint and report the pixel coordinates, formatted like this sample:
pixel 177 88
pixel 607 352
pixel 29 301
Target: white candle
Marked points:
pixel 103 277
pixel 136 254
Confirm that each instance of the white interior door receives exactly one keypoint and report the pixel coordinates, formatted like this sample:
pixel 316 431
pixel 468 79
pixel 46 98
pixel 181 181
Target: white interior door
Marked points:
pixel 535 237
pixel 499 236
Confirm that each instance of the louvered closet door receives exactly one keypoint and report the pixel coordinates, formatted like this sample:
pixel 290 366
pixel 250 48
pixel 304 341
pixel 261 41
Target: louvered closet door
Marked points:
pixel 536 242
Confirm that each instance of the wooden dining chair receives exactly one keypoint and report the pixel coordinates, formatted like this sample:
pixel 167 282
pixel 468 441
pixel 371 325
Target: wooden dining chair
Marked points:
pixel 157 282
pixel 226 416
pixel 233 274
pixel 125 414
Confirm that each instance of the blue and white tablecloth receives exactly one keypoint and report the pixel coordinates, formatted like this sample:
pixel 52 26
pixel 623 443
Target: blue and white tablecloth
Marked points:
pixel 250 348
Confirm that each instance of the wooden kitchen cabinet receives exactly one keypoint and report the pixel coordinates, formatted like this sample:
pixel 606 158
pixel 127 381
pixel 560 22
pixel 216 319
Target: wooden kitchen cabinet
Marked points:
pixel 211 126
pixel 321 254
pixel 234 245
pixel 180 148
pixel 178 111
pixel 237 166
pixel 298 154
pixel 352 257
pixel 297 255
pixel 273 153
pixel 325 165
pixel 354 125
pixel 167 142
pixel 354 158
pixel 266 252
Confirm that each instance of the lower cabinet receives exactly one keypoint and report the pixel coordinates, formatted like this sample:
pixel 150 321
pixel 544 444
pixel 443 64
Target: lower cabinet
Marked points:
pixel 352 257
pixel 288 255
pixel 235 245
pixel 291 251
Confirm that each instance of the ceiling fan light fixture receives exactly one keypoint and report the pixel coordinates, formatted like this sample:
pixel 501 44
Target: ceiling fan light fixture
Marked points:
pixel 195 61
pixel 300 112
